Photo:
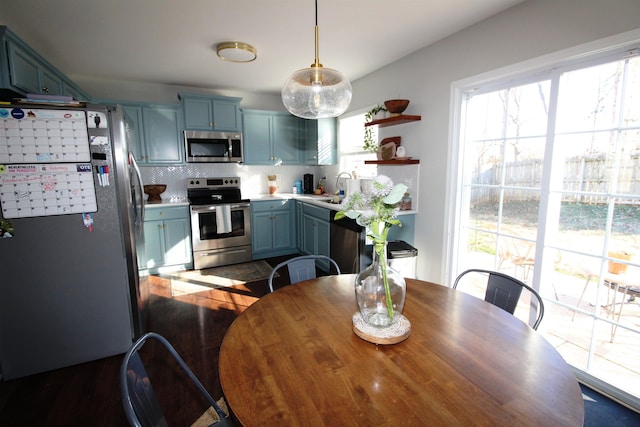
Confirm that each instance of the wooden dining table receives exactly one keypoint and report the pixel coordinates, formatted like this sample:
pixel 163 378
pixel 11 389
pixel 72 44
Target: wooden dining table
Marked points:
pixel 292 359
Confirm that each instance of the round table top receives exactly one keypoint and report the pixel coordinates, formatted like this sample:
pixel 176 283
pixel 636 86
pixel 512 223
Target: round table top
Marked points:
pixel 292 359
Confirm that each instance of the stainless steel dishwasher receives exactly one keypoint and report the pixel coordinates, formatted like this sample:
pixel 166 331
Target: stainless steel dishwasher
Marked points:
pixel 347 247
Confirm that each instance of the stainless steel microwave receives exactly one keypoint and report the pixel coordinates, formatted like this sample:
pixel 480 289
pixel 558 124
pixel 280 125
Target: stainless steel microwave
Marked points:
pixel 213 147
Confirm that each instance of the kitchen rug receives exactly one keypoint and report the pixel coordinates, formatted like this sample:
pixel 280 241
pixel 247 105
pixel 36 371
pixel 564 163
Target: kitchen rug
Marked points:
pixel 216 277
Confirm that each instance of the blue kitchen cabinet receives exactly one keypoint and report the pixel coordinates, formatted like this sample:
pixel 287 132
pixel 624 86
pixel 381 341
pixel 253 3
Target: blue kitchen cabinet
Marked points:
pixel 256 137
pixel 154 132
pixel 167 233
pixel 316 232
pixel 162 139
pixel 273 230
pixel 299 208
pixel 135 132
pixel 201 112
pixel 321 142
pixel 23 70
pixel 288 143
pixel 272 137
pixel 28 74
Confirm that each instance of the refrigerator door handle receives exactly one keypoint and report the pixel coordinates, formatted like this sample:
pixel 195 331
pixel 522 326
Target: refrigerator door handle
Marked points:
pixel 134 164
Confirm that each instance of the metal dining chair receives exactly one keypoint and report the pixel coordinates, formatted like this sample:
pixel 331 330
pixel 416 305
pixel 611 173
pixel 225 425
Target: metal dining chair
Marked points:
pixel 504 291
pixel 301 268
pixel 138 398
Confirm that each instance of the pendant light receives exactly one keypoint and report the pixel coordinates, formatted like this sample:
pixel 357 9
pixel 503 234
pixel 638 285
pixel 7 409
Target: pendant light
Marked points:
pixel 316 92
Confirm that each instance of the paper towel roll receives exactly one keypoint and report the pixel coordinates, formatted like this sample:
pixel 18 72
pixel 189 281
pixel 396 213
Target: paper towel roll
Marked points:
pixel 353 185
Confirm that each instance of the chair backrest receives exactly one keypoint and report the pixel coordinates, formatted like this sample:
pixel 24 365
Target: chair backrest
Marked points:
pixel 138 398
pixel 504 291
pixel 301 268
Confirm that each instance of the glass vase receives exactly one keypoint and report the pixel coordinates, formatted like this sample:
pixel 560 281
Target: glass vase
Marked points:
pixel 380 290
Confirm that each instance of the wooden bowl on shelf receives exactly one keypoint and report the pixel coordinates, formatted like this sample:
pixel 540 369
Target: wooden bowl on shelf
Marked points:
pixel 154 191
pixel 396 106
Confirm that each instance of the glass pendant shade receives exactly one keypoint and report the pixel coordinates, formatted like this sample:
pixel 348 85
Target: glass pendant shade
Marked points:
pixel 316 92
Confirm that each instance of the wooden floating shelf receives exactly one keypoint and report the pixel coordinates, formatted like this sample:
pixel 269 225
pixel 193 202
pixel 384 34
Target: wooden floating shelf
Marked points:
pixel 391 121
pixel 392 162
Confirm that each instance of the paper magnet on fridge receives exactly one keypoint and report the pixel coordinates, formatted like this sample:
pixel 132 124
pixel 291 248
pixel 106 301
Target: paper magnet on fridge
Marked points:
pixel 87 218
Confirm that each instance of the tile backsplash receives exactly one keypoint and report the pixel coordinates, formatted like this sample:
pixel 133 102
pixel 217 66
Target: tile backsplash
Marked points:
pixel 253 178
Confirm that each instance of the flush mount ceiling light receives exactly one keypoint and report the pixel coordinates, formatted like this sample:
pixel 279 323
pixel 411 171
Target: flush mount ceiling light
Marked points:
pixel 316 92
pixel 236 52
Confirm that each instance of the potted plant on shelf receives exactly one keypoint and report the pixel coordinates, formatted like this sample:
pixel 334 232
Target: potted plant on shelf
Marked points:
pixel 376 113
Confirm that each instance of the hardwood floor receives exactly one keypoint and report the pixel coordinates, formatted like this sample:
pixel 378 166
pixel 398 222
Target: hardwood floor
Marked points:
pixel 89 394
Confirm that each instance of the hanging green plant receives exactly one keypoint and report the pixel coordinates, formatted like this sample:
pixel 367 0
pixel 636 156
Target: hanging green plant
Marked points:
pixel 371 143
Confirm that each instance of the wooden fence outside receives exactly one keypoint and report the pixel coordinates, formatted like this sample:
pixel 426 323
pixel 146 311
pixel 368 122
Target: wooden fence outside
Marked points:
pixel 586 179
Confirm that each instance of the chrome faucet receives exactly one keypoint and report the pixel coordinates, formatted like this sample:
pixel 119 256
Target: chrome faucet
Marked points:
pixel 339 176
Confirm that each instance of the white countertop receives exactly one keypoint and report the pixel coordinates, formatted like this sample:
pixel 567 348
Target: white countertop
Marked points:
pixel 165 204
pixel 320 200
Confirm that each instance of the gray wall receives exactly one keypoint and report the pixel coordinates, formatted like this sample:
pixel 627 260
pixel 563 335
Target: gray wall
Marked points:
pixel 529 30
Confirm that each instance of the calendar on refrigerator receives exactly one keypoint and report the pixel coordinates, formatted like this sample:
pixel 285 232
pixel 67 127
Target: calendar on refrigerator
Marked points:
pixel 45 164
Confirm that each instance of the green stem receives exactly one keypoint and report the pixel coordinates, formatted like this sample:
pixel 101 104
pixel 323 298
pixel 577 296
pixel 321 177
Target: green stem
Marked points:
pixel 382 258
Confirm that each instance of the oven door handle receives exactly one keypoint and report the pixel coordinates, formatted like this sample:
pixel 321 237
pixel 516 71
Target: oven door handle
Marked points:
pixel 212 208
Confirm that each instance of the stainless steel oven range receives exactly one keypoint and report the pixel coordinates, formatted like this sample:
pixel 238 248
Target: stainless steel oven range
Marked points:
pixel 220 222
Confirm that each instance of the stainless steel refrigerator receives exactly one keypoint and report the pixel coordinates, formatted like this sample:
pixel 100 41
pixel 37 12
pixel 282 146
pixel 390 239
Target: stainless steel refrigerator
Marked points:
pixel 71 289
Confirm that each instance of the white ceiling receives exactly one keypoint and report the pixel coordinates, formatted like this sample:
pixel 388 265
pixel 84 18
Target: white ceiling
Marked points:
pixel 171 41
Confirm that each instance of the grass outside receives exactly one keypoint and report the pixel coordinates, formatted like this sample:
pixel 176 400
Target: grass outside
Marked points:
pixel 579 222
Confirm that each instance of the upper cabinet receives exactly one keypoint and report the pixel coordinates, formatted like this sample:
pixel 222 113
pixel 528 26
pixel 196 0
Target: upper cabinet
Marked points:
pixel 201 112
pixel 155 133
pixel 272 137
pixel 23 70
pixel 320 142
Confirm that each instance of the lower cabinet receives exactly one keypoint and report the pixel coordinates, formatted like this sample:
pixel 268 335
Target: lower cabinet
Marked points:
pixel 299 225
pixel 283 227
pixel 315 228
pixel 167 233
pixel 273 230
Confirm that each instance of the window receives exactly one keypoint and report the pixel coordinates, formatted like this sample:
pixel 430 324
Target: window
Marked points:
pixel 549 192
pixel 351 137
